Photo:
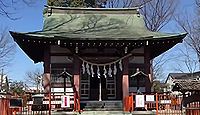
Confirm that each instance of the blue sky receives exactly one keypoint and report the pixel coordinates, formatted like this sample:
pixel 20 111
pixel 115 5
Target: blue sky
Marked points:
pixel 31 19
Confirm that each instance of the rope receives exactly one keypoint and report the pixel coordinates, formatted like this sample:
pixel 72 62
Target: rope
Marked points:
pixel 109 63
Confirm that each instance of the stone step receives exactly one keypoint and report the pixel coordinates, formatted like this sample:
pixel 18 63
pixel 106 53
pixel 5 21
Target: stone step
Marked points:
pixel 113 104
pixel 105 113
pixel 103 106
pixel 102 109
pixel 94 104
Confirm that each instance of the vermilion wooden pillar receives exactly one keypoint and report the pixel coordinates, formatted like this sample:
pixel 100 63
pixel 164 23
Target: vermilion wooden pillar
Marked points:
pixel 76 73
pixel 47 75
pixel 47 68
pixel 125 81
pixel 147 68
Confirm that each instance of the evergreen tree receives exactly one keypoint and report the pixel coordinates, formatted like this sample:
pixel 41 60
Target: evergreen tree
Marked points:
pixel 77 3
pixel 17 87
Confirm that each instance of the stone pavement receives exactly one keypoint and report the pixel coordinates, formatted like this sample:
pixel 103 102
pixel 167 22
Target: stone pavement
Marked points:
pixel 92 113
pixel 104 113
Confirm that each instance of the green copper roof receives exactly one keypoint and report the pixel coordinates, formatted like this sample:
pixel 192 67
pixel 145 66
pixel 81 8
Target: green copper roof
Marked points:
pixel 76 25
pixel 96 24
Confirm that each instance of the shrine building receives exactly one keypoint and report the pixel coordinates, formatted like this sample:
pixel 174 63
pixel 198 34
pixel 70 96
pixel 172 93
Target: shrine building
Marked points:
pixel 106 51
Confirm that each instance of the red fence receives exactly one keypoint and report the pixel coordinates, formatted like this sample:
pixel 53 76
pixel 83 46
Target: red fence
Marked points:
pixel 169 104
pixel 159 103
pixel 193 108
pixel 163 104
pixel 4 106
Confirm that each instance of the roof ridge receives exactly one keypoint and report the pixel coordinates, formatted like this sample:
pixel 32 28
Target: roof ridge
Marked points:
pixel 90 8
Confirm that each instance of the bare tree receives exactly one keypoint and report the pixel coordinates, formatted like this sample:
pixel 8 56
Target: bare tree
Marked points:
pixel 158 13
pixel 8 7
pixel 7 47
pixel 192 27
pixel 125 3
pixel 186 61
pixel 34 78
pixel 158 63
pixel 197 3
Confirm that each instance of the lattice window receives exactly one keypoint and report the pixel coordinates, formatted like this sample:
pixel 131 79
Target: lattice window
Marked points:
pixel 85 86
pixel 111 87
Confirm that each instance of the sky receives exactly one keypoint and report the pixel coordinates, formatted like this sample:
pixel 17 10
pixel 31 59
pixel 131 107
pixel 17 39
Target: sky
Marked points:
pixel 31 19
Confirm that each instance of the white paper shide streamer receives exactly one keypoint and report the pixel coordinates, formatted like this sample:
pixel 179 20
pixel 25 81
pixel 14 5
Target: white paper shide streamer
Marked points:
pixel 112 69
pixel 115 69
pixel 92 71
pixel 83 67
pixel 88 69
pixel 98 72
pixel 105 71
pixel 120 65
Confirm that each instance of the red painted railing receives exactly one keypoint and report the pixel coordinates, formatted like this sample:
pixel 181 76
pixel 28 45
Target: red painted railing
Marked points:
pixel 162 104
pixel 4 106
pixel 193 108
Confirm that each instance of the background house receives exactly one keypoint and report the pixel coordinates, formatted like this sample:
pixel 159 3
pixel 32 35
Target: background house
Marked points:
pixel 174 77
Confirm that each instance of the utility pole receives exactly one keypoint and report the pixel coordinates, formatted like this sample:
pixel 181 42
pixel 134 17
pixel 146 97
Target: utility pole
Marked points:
pixel 1 80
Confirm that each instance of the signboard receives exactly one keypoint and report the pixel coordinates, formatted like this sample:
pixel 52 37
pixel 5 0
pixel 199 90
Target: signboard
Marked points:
pixel 39 107
pixel 139 100
pixel 58 90
pixel 150 98
pixel 16 102
pixel 165 101
pixel 65 101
